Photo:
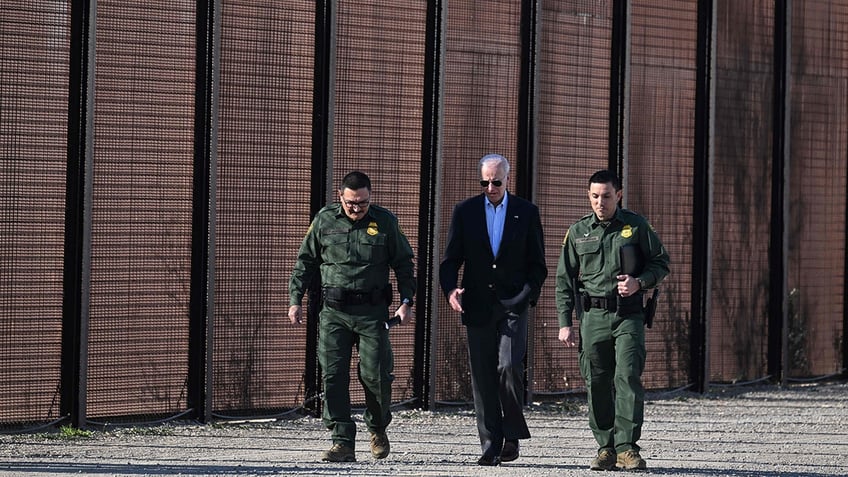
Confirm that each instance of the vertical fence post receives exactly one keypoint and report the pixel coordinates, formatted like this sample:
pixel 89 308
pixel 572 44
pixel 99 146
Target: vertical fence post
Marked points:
pixel 77 262
pixel 778 323
pixel 426 302
pixel 202 292
pixel 702 197
pixel 322 114
pixel 619 89
pixel 527 142
pixel 527 102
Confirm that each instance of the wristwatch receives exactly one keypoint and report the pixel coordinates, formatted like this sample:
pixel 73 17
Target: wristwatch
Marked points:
pixel 408 301
pixel 642 285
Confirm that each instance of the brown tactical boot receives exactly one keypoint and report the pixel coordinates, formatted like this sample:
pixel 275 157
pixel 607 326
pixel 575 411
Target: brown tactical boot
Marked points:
pixel 339 453
pixel 379 445
pixel 631 460
pixel 605 460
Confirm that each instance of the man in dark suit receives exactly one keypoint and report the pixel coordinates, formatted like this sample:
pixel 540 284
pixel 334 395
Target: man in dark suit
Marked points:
pixel 497 237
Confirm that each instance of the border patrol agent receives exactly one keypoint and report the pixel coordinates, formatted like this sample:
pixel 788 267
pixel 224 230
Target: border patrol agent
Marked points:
pixel 612 335
pixel 353 244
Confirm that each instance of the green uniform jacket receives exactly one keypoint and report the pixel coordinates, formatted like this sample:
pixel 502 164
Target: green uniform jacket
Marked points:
pixel 590 254
pixel 353 255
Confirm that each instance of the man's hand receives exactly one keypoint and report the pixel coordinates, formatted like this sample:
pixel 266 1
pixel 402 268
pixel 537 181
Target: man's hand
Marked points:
pixel 455 299
pixel 566 336
pixel 403 312
pixel 294 314
pixel 627 285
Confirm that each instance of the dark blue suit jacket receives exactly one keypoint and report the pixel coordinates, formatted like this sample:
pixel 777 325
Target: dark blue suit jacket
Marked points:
pixel 486 278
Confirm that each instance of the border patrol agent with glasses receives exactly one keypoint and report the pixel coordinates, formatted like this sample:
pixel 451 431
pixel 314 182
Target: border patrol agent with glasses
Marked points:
pixel 353 244
pixel 612 326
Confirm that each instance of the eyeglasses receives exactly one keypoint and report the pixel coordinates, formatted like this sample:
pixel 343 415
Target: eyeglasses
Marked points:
pixel 361 204
pixel 495 183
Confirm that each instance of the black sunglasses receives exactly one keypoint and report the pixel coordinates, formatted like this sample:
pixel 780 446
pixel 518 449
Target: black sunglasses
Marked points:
pixel 495 183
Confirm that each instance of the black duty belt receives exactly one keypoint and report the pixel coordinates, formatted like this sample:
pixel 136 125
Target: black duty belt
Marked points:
pixel 340 297
pixel 622 305
pixel 600 302
pixel 353 297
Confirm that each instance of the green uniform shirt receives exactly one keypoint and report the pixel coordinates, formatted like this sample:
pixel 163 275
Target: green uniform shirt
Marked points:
pixel 353 255
pixel 590 253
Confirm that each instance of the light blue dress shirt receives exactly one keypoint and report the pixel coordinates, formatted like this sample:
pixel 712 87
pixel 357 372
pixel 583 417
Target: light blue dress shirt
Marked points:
pixel 495 222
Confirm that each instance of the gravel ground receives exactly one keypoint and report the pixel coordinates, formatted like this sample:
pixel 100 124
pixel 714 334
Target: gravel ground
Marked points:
pixel 753 431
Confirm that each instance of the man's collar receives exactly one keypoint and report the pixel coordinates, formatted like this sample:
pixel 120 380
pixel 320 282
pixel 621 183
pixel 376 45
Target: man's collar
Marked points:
pixel 488 202
pixel 341 213
pixel 616 216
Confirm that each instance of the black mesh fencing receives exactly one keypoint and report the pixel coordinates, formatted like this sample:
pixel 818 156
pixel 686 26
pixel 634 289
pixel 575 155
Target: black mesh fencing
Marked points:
pixel 659 170
pixel 818 147
pixel 34 44
pixel 262 206
pixel 141 209
pixel 742 179
pixel 574 90
pixel 304 92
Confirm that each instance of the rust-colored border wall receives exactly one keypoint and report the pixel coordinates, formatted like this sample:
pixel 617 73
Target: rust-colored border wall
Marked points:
pixel 138 356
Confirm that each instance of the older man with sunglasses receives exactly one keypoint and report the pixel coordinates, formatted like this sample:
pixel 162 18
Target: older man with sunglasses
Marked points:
pixel 497 238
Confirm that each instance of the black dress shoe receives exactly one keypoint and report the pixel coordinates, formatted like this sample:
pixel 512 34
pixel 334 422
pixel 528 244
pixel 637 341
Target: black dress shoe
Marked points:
pixel 488 459
pixel 510 451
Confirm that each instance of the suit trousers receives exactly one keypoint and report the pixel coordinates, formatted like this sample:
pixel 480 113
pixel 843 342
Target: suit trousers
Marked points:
pixel 496 354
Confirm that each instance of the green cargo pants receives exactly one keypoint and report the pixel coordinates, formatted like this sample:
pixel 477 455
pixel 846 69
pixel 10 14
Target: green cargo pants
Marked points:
pixel 361 326
pixel 612 358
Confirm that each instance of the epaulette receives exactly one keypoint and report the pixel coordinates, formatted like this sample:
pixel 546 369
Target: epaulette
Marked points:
pixel 382 210
pixel 333 206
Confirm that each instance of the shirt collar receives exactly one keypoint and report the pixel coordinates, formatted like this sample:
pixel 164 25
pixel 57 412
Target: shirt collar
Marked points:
pixel 488 202
pixel 598 223
pixel 341 213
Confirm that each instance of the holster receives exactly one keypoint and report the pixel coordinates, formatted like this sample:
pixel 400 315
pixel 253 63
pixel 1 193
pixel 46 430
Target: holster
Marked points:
pixel 651 308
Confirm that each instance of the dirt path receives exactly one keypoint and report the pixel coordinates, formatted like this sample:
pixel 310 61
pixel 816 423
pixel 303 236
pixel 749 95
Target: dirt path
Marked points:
pixel 800 431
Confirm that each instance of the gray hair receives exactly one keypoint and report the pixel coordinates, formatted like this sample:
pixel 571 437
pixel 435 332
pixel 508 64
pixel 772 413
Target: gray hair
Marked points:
pixel 496 159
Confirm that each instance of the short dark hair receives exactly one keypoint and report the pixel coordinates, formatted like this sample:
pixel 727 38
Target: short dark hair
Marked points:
pixel 356 180
pixel 605 176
